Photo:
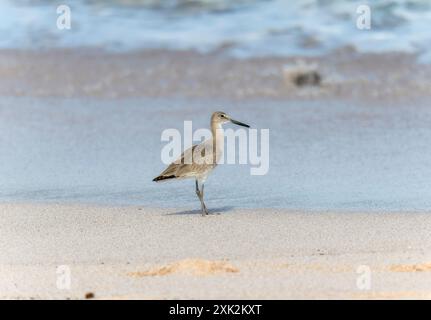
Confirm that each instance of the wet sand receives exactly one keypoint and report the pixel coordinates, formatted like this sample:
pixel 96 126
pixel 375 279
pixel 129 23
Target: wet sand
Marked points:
pixel 84 72
pixel 324 154
pixel 133 252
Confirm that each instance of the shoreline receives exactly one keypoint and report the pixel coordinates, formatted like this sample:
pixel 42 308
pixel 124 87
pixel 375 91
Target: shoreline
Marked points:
pixel 83 72
pixel 133 252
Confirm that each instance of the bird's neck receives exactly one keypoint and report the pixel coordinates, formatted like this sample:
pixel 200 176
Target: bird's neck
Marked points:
pixel 218 140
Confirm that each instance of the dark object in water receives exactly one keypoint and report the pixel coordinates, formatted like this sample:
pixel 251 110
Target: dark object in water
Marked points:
pixel 309 78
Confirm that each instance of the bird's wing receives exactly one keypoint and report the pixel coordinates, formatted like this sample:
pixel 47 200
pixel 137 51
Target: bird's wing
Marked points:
pixel 187 165
pixel 173 168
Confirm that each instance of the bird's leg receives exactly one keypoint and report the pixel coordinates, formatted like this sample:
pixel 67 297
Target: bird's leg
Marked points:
pixel 201 198
pixel 199 194
pixel 203 203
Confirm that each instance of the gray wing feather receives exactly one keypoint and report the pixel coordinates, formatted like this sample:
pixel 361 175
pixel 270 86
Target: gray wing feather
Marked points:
pixel 180 169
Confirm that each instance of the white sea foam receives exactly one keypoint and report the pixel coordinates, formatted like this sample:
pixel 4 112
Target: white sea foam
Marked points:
pixel 243 28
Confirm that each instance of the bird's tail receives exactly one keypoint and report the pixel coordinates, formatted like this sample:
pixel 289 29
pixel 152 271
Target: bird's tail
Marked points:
pixel 162 177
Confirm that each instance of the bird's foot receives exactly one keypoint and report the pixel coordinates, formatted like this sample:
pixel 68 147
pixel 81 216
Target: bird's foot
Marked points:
pixel 204 212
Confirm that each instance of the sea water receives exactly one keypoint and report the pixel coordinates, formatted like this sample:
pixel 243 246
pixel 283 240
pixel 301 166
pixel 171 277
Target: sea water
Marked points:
pixel 323 155
pixel 240 28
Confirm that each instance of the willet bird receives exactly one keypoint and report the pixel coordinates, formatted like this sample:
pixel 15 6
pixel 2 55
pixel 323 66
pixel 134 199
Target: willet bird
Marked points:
pixel 198 161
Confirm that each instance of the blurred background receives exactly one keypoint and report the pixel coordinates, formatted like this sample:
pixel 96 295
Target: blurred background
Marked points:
pixel 241 28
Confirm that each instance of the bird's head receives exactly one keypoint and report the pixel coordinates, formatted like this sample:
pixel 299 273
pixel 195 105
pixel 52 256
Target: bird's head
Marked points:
pixel 219 117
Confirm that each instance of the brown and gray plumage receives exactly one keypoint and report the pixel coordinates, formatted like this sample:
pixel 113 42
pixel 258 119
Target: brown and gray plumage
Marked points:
pixel 198 161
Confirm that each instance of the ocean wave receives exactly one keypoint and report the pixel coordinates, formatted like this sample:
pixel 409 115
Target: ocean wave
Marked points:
pixel 241 28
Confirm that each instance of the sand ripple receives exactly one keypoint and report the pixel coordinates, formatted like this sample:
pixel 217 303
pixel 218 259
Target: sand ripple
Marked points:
pixel 197 267
pixel 412 267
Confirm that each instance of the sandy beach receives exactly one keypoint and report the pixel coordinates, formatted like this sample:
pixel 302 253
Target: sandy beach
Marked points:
pixel 348 216
pixel 142 253
pixel 343 211
pixel 347 192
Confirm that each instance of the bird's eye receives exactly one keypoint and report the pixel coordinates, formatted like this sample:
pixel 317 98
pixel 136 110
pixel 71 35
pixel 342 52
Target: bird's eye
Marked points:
pixel 222 116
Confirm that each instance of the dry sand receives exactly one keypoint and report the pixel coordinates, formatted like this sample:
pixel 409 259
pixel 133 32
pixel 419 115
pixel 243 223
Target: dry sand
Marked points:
pixel 132 252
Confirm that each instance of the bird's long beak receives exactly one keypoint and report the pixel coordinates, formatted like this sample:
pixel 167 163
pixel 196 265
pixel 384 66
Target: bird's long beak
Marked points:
pixel 239 123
